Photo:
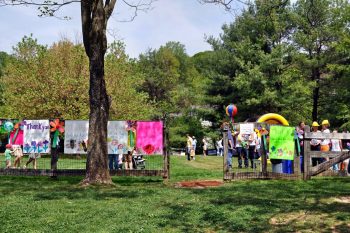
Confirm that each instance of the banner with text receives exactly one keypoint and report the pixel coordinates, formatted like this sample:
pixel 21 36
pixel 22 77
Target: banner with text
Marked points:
pixel 36 136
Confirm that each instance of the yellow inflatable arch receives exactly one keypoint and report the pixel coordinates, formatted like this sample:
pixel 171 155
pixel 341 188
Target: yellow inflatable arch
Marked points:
pixel 273 119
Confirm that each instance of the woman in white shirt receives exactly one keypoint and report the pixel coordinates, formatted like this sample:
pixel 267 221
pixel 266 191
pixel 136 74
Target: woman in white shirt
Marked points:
pixel 336 146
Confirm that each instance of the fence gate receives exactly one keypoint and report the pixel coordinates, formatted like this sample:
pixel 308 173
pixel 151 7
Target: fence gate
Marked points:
pixel 259 165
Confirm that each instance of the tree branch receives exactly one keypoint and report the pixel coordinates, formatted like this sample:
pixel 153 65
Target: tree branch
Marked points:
pixel 86 21
pixel 141 5
pixel 45 7
pixel 226 3
pixel 109 7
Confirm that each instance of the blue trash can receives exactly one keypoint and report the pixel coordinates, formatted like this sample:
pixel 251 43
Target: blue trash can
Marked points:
pixel 287 166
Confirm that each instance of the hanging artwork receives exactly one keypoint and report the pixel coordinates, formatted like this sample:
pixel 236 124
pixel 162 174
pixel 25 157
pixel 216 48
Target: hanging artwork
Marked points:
pixel 282 142
pixel 36 136
pixel 76 137
pixel 117 138
pixel 16 135
pixel 131 129
pixel 149 138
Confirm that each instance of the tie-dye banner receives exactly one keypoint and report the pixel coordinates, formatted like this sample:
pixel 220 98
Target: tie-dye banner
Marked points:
pixel 76 137
pixel 149 137
pixel 282 142
pixel 36 136
pixel 117 137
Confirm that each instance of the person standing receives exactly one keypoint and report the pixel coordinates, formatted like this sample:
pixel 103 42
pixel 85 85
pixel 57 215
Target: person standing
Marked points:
pixel 205 147
pixel 219 147
pixel 253 137
pixel 336 147
pixel 325 142
pixel 194 143
pixel 315 143
pixel 242 151
pixel 8 153
pixel 189 144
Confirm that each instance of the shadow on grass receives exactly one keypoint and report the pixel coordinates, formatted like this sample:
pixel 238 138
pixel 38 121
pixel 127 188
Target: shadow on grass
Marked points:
pixel 248 206
pixel 46 188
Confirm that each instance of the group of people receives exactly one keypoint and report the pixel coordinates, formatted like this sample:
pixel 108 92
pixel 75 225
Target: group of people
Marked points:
pixel 335 145
pixel 123 161
pixel 244 146
pixel 16 151
pixel 191 146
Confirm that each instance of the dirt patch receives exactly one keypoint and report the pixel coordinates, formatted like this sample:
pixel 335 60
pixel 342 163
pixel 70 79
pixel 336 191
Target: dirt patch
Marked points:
pixel 343 199
pixel 287 218
pixel 199 184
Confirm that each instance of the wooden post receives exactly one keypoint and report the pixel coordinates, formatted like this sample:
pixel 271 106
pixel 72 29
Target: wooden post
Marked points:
pixel 225 141
pixel 307 158
pixel 296 162
pixel 166 158
pixel 263 156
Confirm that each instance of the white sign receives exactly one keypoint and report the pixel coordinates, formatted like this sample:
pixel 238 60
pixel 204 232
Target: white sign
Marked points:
pixel 246 128
pixel 36 136
pixel 117 138
pixel 76 137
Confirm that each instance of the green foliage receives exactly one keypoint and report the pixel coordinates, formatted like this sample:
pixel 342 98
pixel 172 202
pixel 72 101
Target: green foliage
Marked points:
pixel 54 82
pixel 283 58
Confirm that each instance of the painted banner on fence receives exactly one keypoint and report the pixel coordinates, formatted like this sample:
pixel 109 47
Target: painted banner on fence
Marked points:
pixel 117 137
pixel 16 137
pixel 76 137
pixel 36 136
pixel 281 142
pixel 149 137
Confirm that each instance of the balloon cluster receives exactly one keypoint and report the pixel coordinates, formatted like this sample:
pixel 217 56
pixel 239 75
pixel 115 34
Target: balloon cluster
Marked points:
pixel 231 111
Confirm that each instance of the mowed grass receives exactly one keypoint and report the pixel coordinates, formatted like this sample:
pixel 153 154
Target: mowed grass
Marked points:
pixel 42 204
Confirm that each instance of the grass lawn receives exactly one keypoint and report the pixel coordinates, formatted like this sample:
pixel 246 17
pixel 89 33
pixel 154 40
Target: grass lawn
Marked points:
pixel 40 204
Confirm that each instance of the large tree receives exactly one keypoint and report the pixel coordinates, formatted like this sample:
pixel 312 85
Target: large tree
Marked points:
pixel 94 17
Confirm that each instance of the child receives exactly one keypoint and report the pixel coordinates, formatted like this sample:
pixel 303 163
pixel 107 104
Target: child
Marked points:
pixel 128 161
pixel 8 153
pixel 32 158
pixel 192 154
pixel 17 151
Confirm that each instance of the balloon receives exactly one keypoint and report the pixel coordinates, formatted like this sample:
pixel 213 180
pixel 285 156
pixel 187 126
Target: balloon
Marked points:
pixel 231 110
pixel 8 126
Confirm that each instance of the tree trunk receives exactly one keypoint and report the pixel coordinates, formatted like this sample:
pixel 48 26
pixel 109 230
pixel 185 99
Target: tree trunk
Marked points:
pixel 97 159
pixel 94 22
pixel 316 93
pixel 315 103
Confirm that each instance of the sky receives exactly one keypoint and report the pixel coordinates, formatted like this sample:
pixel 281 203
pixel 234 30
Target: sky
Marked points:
pixel 185 21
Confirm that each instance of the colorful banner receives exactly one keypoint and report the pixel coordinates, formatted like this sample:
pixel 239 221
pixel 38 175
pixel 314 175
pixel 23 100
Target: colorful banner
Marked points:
pixel 36 136
pixel 16 137
pixel 282 142
pixel 149 137
pixel 117 137
pixel 76 137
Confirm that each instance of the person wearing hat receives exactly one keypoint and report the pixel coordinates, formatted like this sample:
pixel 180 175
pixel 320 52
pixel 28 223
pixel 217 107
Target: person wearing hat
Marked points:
pixel 325 142
pixel 315 143
pixel 8 153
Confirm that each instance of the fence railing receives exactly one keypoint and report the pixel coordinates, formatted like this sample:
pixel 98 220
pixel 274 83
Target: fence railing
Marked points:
pixel 331 157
